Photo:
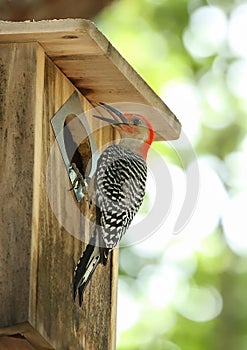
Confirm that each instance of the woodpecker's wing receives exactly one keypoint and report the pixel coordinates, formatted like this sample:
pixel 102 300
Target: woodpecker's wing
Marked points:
pixel 120 188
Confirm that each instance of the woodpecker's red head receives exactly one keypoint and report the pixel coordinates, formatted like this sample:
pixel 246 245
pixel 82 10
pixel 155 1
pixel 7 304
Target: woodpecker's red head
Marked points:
pixel 136 131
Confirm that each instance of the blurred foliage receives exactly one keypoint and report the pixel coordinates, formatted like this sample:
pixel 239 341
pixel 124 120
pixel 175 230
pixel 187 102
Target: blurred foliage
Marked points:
pixel 194 299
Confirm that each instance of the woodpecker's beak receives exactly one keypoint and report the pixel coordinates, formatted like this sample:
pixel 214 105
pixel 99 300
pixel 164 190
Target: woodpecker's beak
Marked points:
pixel 118 117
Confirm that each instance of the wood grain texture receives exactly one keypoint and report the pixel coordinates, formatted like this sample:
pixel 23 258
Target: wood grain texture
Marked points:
pixel 94 66
pixel 11 336
pixel 37 254
pixel 18 102
pixel 58 318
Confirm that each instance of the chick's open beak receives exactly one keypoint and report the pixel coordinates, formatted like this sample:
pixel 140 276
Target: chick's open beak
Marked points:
pixel 118 117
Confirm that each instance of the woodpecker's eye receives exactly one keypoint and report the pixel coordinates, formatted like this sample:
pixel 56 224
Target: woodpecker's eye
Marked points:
pixel 137 121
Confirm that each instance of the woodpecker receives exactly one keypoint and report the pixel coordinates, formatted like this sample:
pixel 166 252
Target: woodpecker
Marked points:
pixel 119 185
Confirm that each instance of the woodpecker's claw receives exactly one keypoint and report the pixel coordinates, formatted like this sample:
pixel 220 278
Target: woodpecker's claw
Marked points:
pixel 79 180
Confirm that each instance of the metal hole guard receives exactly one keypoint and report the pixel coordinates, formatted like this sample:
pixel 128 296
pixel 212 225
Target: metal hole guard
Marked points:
pixel 73 106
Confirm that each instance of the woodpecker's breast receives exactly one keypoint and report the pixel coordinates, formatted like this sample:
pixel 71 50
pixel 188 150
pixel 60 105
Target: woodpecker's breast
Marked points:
pixel 120 188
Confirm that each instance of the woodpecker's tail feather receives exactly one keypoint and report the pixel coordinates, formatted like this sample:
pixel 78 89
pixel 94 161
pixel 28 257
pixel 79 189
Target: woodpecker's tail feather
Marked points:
pixel 85 269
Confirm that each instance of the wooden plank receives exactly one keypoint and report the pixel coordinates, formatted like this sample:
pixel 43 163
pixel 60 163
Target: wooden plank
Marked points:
pixel 55 315
pixel 19 98
pixel 26 332
pixel 37 254
pixel 37 170
pixel 12 343
pixel 94 66
pixel 114 290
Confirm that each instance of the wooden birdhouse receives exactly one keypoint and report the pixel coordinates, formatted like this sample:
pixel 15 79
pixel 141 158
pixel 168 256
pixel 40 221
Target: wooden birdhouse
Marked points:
pixel 51 73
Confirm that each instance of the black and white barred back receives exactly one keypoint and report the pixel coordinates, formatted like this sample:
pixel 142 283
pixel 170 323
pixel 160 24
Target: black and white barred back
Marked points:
pixel 120 188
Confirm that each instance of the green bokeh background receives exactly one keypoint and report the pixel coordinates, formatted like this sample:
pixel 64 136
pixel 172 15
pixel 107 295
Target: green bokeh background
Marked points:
pixel 182 296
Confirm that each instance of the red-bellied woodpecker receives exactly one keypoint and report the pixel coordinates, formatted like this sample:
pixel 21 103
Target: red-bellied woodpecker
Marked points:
pixel 119 185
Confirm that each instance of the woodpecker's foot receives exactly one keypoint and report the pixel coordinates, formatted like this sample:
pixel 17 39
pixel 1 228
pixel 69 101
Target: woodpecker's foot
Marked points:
pixel 79 180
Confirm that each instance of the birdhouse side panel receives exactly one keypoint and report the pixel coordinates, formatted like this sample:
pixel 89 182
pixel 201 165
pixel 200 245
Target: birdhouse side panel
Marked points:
pixel 60 241
pixel 18 105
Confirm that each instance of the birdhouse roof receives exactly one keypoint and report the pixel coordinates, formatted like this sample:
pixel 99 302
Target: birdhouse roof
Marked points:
pixel 95 67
